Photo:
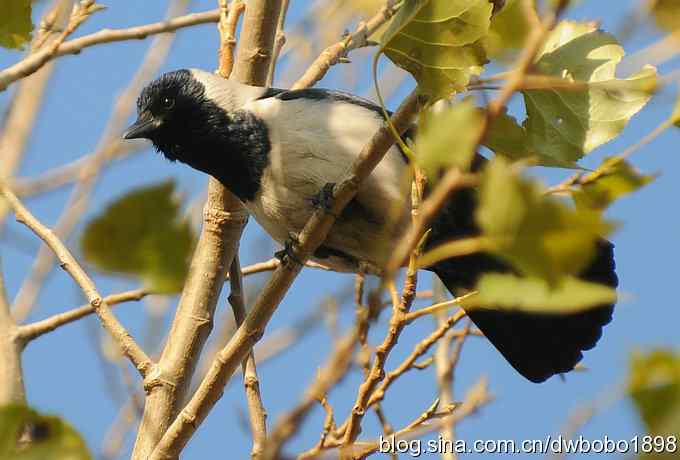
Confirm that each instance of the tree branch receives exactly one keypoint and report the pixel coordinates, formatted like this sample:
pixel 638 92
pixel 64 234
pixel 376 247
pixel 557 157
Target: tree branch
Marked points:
pixel 88 175
pixel 29 332
pixel 127 344
pixel 214 254
pixel 77 45
pixel 258 415
pixel 34 61
pixel 12 388
pixel 337 52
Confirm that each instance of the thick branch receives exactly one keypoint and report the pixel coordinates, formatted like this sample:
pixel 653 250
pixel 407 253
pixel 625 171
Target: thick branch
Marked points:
pixel 127 344
pixel 194 317
pixel 12 388
pixel 257 41
pixel 213 256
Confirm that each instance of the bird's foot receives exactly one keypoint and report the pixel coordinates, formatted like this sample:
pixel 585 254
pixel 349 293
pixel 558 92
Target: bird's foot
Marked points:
pixel 324 199
pixel 287 254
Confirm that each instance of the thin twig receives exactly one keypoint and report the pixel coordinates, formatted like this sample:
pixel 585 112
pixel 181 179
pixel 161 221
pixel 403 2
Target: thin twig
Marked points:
pixel 32 331
pixel 79 197
pixel 476 398
pixel 34 61
pixel 328 377
pixel 279 41
pixel 77 45
pixel 125 341
pixel 339 51
pixel 227 26
pixel 256 410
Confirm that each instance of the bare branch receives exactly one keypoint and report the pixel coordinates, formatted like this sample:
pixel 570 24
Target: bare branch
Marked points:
pixel 329 376
pixel 29 332
pixel 127 344
pixel 34 61
pixel 107 146
pixel 76 45
pixel 257 41
pixel 339 51
pixel 476 398
pixel 258 415
pixel 279 42
pixel 12 388
pixel 227 25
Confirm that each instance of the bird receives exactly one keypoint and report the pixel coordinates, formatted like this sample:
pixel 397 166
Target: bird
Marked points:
pixel 276 149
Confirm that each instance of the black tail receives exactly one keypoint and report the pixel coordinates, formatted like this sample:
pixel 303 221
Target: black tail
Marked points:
pixel 538 346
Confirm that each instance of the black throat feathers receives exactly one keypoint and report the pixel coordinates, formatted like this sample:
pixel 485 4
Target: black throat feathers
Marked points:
pixel 233 147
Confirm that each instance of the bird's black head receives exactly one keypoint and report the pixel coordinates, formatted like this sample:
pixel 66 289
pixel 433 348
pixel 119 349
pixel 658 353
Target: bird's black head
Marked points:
pixel 170 113
pixel 195 117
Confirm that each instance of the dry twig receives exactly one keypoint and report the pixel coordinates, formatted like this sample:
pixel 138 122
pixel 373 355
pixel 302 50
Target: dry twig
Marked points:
pixel 338 52
pixel 127 344
pixel 256 410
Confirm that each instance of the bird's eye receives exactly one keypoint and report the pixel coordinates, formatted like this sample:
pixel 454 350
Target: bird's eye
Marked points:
pixel 168 102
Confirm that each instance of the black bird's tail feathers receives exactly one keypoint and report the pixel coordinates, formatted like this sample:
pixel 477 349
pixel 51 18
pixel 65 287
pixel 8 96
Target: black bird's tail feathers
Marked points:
pixel 538 346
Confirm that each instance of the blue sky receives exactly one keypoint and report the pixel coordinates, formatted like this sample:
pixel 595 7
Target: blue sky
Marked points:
pixel 65 376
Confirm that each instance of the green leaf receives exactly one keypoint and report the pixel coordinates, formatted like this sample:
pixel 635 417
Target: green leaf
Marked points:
pixel 509 29
pixel 666 14
pixel 52 438
pixel 439 42
pixel 142 234
pixel 564 125
pixel 15 23
pixel 654 385
pixel 613 179
pixel 448 138
pixel 535 295
pixel 506 137
pixel 537 233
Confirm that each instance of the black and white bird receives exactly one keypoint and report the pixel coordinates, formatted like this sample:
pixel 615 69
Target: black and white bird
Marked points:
pixel 276 149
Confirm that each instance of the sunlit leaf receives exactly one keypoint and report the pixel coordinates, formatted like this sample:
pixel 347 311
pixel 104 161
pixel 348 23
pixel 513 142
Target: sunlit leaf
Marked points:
pixel 439 42
pixel 666 13
pixel 51 438
pixel 539 234
pixel 15 23
pixel 506 137
pixel 613 179
pixel 536 295
pixel 567 124
pixel 142 234
pixel 448 137
pixel 509 29
pixel 654 385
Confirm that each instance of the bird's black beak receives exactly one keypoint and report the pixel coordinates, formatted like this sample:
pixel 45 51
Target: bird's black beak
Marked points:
pixel 143 128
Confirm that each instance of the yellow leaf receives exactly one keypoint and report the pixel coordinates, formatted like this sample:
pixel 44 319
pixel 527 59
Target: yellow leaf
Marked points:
pixel 535 295
pixel 15 23
pixel 538 234
pixel 565 124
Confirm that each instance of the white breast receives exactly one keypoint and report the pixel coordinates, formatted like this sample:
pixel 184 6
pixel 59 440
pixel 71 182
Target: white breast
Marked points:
pixel 314 143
